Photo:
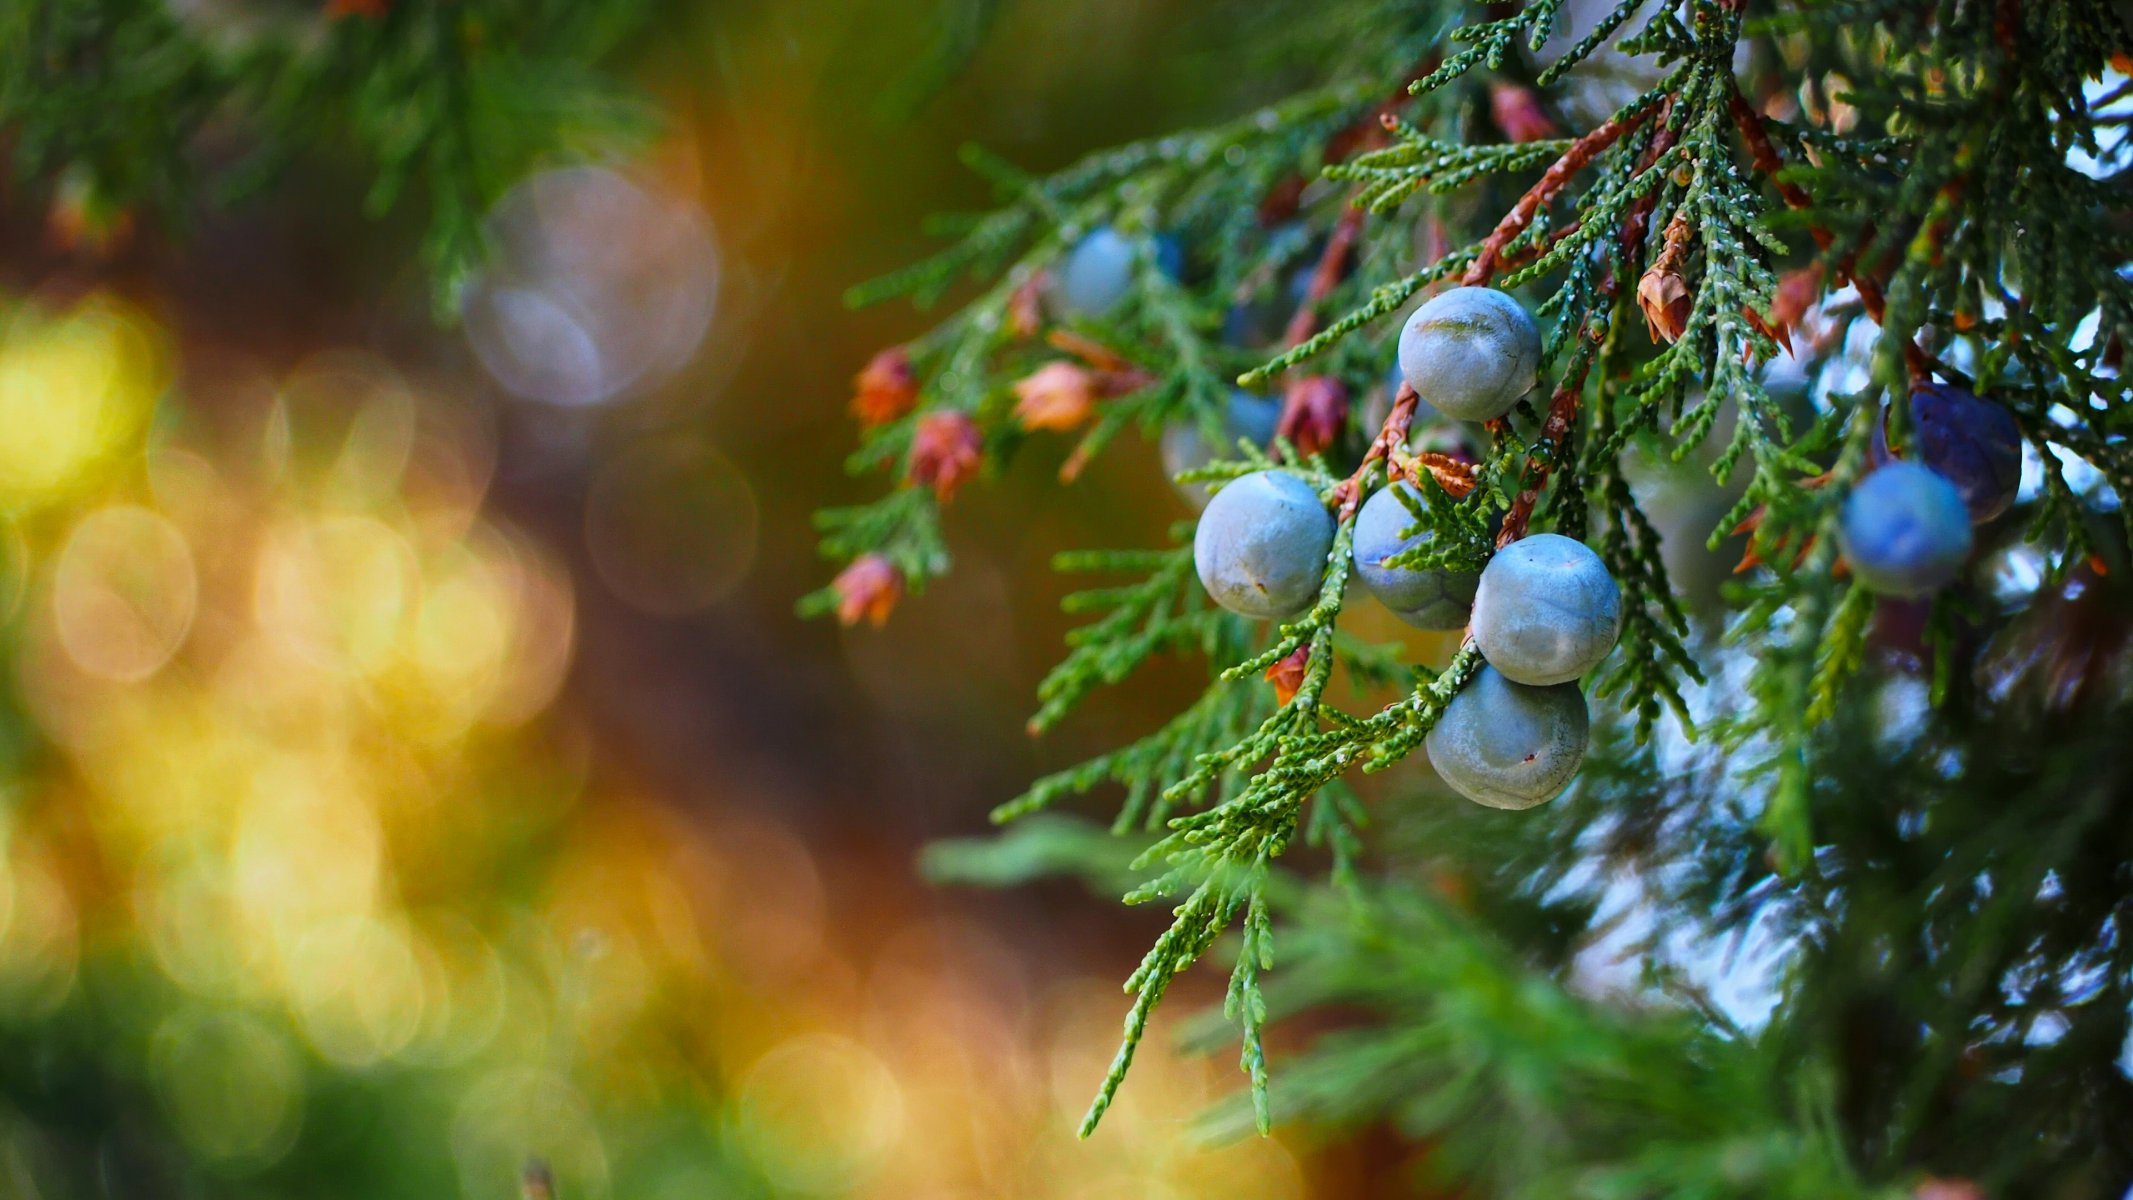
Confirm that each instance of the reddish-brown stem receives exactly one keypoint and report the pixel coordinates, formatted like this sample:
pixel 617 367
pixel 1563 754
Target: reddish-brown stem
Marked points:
pixel 1563 405
pixel 1367 133
pixel 1512 262
pixel 1551 183
pixel 1349 493
pixel 1554 434
pixel 1632 237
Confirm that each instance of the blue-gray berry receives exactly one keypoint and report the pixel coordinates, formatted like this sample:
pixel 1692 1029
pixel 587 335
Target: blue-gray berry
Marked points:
pixel 1098 271
pixel 1471 352
pixel 1262 544
pixel 1427 599
pixel 1508 744
pixel 1547 610
pixel 1905 530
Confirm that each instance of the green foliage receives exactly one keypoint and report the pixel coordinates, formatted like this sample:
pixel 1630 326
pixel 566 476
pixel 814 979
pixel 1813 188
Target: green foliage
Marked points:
pixel 439 104
pixel 1841 200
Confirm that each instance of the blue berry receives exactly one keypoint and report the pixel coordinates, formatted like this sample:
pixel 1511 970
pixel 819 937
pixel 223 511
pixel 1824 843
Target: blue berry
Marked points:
pixel 1508 744
pixel 1184 447
pixel 1098 272
pixel 1426 599
pixel 1262 543
pixel 1472 352
pixel 1972 443
pixel 1546 611
pixel 1904 530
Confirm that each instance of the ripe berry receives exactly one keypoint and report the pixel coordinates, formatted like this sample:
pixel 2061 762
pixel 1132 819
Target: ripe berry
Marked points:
pixel 1098 272
pixel 1472 352
pixel 1262 543
pixel 1507 744
pixel 1184 447
pixel 1546 610
pixel 1972 443
pixel 1904 530
pixel 1426 599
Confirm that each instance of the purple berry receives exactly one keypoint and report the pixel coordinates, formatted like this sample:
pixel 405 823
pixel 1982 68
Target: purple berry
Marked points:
pixel 1972 443
pixel 1547 610
pixel 1426 599
pixel 1262 544
pixel 1904 530
pixel 1507 744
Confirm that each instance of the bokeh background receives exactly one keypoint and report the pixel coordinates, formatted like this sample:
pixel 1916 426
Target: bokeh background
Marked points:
pixel 416 781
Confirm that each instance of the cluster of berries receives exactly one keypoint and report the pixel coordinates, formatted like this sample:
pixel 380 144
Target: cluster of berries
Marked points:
pixel 1542 613
pixel 1544 610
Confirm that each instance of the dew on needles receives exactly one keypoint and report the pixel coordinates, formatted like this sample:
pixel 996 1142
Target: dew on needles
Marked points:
pixel 1585 300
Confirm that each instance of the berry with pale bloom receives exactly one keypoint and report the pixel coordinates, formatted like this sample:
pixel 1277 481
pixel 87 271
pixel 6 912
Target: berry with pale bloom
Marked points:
pixel 1506 744
pixel 1971 442
pixel 885 389
pixel 1471 352
pixel 1432 598
pixel 867 590
pixel 946 450
pixel 1261 546
pixel 1059 395
pixel 1547 610
pixel 1098 272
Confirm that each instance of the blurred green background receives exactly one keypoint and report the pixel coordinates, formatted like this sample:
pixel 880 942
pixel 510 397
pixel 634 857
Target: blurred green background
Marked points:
pixel 417 781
